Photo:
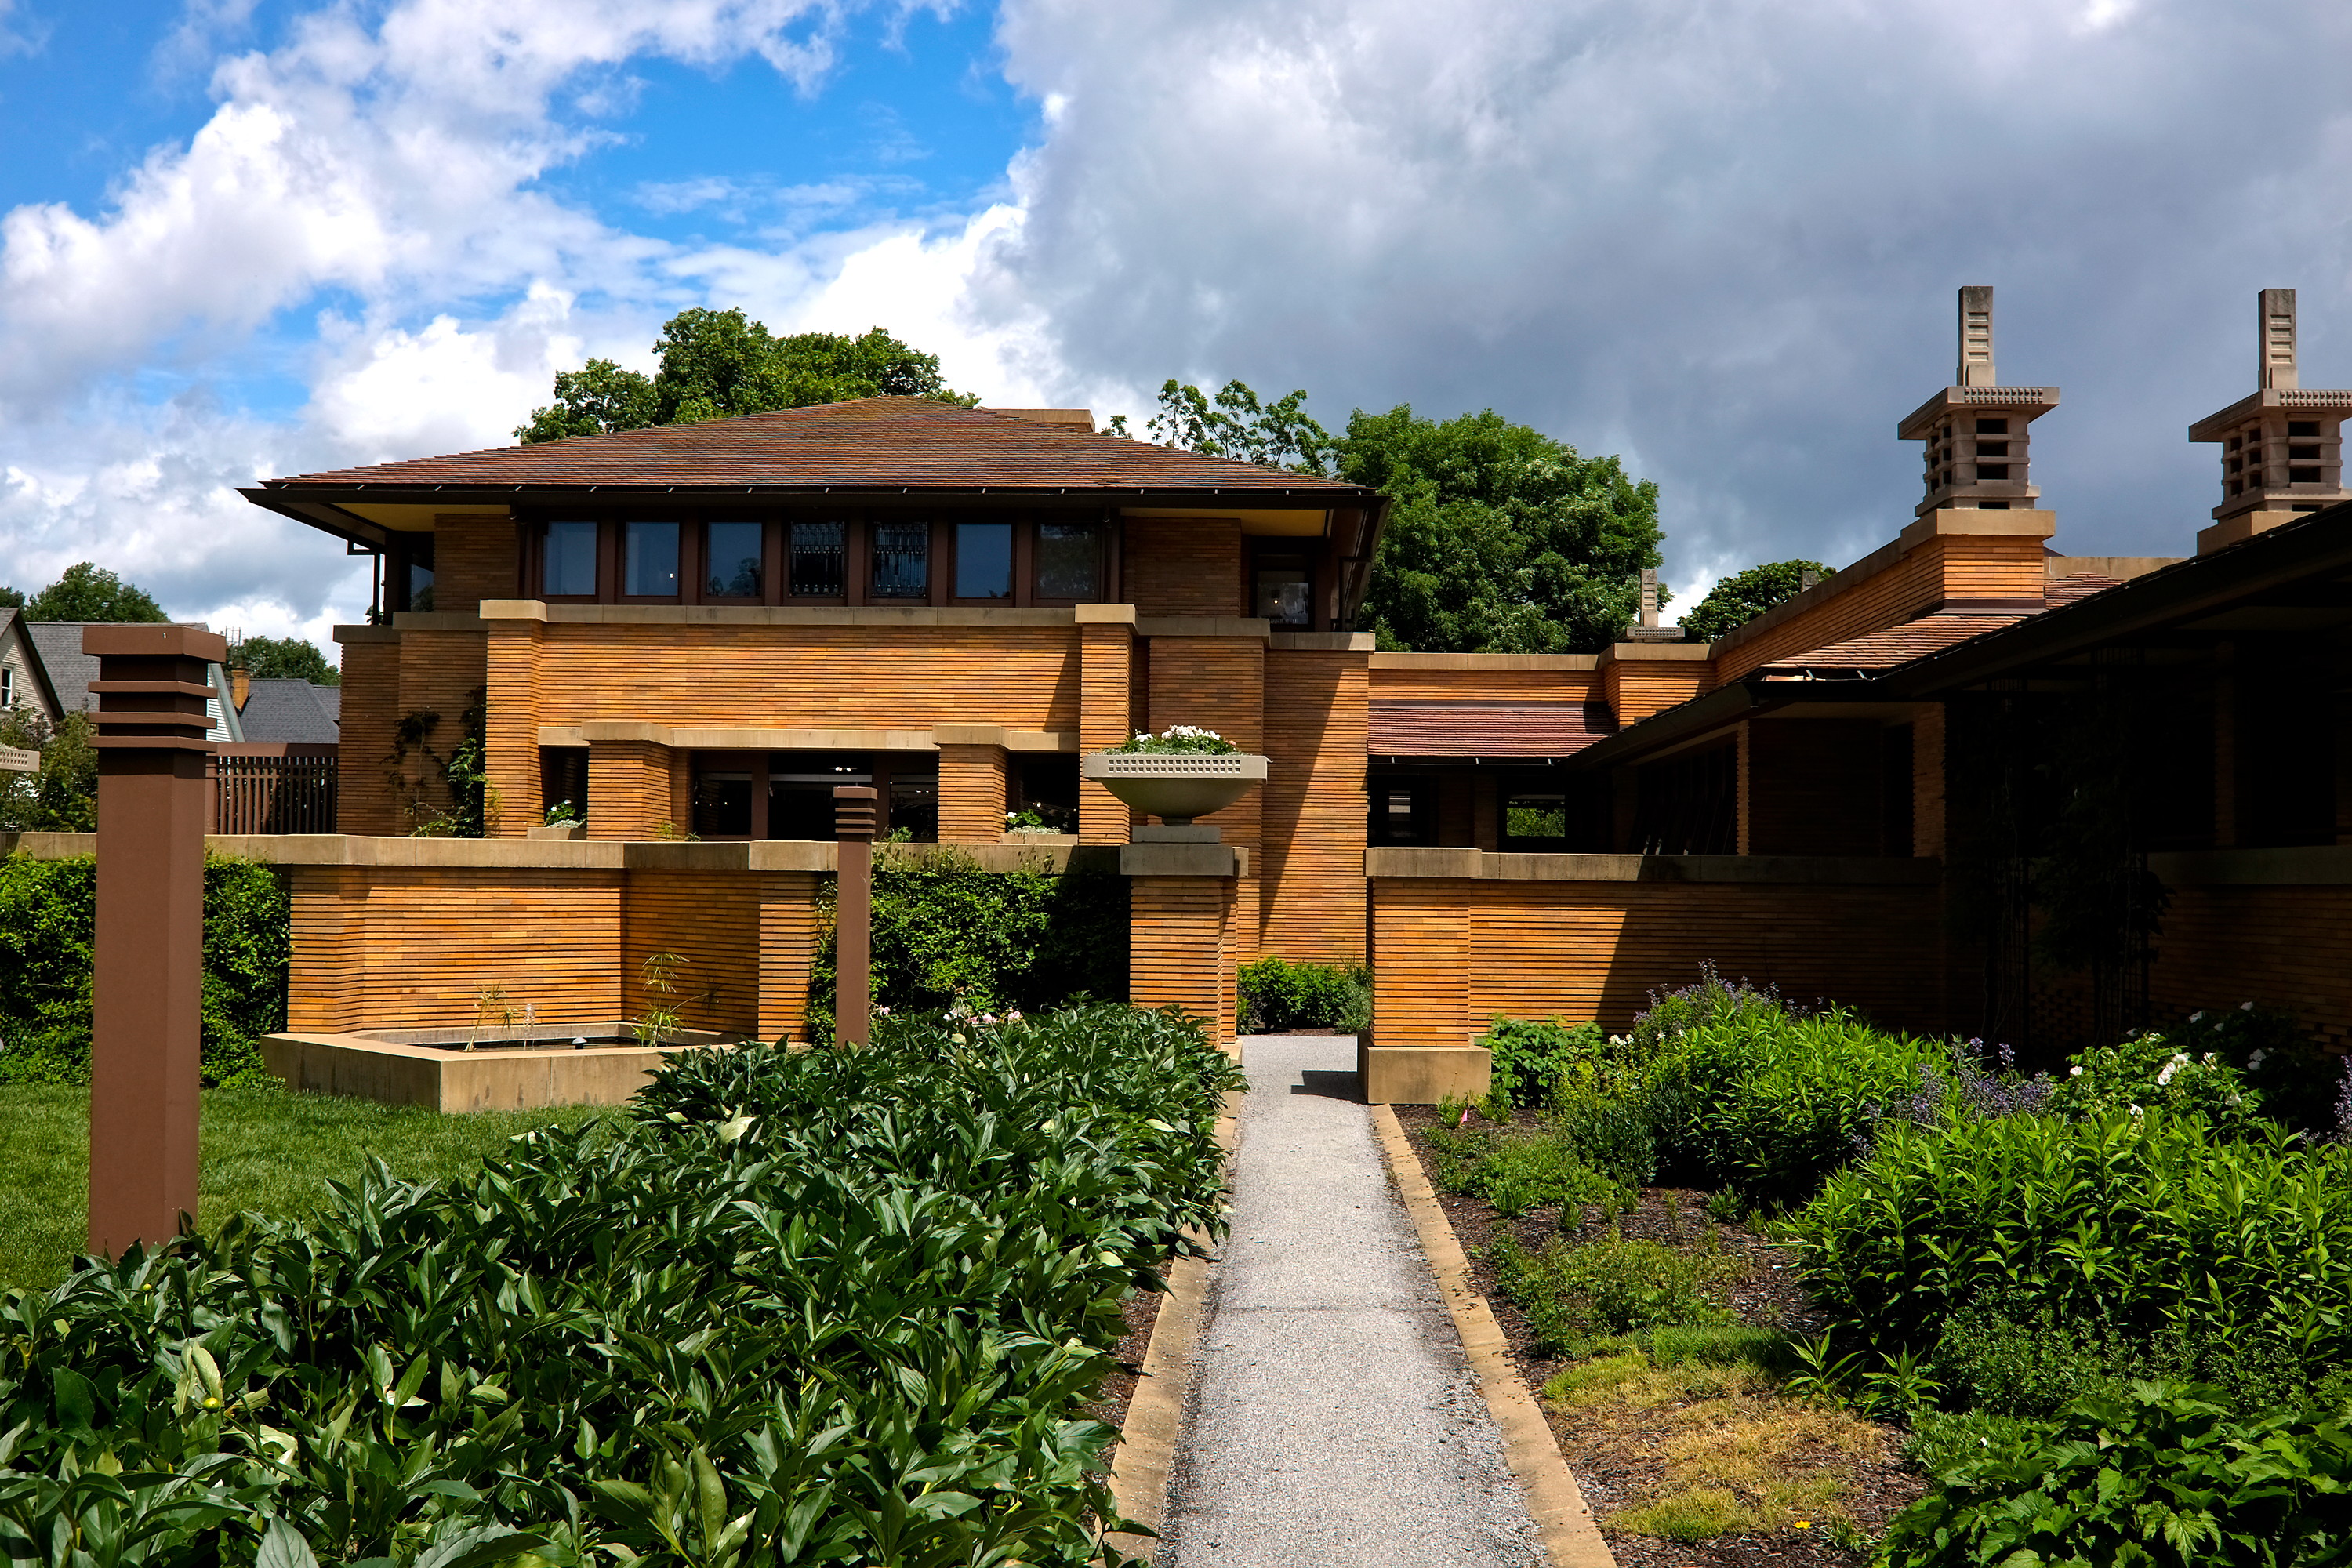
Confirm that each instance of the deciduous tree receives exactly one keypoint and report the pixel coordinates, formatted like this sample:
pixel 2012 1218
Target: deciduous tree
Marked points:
pixel 285 658
pixel 1736 600
pixel 89 592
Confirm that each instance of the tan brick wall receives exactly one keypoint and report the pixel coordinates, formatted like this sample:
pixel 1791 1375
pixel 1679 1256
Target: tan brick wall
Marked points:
pixel 1312 863
pixel 710 921
pixel 1023 677
pixel 1393 685
pixel 1638 688
pixel 630 790
pixel 439 672
pixel 2286 947
pixel 1184 566
pixel 1812 787
pixel 371 704
pixel 1451 955
pixel 1216 683
pixel 390 947
pixel 1108 718
pixel 789 939
pixel 473 560
pixel 971 795
pixel 1182 950
pixel 513 735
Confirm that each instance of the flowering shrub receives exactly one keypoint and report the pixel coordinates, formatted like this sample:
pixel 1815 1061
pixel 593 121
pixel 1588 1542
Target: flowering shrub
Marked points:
pixel 1962 1088
pixel 2269 1047
pixel 1178 738
pixel 2149 1073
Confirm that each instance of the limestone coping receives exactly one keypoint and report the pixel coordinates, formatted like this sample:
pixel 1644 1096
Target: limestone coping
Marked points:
pixel 583 854
pixel 804 738
pixel 1205 626
pixel 2317 865
pixel 769 614
pixel 1476 865
pixel 1184 861
pixel 1655 652
pixel 1546 663
pixel 1325 642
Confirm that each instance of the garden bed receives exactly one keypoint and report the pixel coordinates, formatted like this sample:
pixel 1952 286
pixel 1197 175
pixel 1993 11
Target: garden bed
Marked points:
pixel 1665 1445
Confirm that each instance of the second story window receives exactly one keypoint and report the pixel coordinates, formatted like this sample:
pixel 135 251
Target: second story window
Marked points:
pixel 814 563
pixel 1284 592
pixel 902 561
pixel 649 561
pixel 1069 562
pixel 984 561
pixel 568 564
pixel 732 560
pixel 7 686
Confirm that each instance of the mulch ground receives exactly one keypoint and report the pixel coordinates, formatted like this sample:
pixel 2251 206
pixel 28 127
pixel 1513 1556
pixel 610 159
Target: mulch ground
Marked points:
pixel 1612 1459
pixel 1142 1310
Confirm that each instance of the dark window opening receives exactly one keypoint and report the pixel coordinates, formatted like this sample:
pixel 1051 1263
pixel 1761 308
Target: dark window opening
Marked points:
pixel 984 561
pixel 801 786
pixel 1992 506
pixel 563 781
pixel 912 796
pixel 1992 470
pixel 814 568
pixel 1283 591
pixel 649 560
pixel 2303 476
pixel 417 578
pixel 1992 427
pixel 733 564
pixel 2302 454
pixel 1992 448
pixel 568 561
pixel 902 561
pixel 2295 427
pixel 1688 804
pixel 1403 809
pixel 1046 784
pixel 722 804
pixel 1069 562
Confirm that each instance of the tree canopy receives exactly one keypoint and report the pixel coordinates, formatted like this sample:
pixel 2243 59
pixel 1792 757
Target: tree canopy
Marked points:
pixel 1736 600
pixel 1499 540
pixel 285 658
pixel 11 598
pixel 718 364
pixel 89 592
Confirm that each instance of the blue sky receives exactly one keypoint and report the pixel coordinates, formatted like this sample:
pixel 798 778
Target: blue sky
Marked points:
pixel 1721 237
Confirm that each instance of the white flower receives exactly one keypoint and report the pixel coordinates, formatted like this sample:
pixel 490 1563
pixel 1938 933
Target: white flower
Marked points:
pixel 1012 1017
pixel 2208 1058
pixel 2245 1007
pixel 2165 1077
pixel 2136 1111
pixel 2075 1072
pixel 2194 1016
pixel 2254 1062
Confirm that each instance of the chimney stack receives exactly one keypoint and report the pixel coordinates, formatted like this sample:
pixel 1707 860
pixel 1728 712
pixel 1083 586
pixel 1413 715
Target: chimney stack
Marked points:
pixel 2282 448
pixel 1977 445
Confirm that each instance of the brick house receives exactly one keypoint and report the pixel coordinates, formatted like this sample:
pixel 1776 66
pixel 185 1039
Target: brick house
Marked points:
pixel 703 628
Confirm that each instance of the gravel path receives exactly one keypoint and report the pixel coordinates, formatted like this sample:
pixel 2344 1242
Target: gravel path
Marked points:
pixel 1334 1420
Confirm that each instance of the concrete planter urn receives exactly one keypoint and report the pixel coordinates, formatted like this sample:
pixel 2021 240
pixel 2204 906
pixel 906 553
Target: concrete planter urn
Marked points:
pixel 1176 786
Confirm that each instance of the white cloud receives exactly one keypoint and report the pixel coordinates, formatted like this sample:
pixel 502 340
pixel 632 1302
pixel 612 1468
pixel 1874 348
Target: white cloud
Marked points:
pixel 20 33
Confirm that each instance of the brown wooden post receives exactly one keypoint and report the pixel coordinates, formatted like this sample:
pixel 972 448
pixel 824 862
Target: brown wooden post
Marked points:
pixel 147 985
pixel 853 984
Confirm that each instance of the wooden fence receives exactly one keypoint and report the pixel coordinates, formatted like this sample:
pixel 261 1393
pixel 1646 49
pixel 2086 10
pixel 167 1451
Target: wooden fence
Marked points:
pixel 272 787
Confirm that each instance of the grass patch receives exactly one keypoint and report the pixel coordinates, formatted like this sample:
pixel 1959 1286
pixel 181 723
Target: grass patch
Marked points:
pixel 1576 1293
pixel 262 1149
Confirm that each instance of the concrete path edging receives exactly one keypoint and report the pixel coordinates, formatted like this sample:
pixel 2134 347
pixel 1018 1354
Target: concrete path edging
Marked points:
pixel 1570 1538
pixel 1143 1460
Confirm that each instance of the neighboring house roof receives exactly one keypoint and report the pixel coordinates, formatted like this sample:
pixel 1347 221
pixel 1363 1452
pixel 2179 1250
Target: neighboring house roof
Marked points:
pixel 1484 729
pixel 70 671
pixel 291 710
pixel 1873 652
pixel 874 444
pixel 44 691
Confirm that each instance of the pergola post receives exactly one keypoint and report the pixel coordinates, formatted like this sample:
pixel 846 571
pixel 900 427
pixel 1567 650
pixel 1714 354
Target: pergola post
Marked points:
pixel 853 979
pixel 147 985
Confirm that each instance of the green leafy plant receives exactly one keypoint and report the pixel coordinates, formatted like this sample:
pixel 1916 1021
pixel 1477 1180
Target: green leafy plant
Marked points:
pixel 1574 1292
pixel 561 813
pixel 2166 1474
pixel 1178 738
pixel 2148 1073
pixel 1519 1171
pixel 944 931
pixel 1278 995
pixel 1535 1063
pixel 48 922
pixel 658 976
pixel 806 1307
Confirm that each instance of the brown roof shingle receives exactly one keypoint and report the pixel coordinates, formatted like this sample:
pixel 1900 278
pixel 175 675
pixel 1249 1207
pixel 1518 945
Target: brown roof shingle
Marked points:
pixel 873 444
pixel 1873 652
pixel 1485 729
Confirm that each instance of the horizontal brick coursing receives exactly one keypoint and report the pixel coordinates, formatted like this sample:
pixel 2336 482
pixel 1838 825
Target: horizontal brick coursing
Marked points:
pixel 1940 568
pixel 1449 956
pixel 1180 949
pixel 1578 686
pixel 473 560
pixel 1184 566
pixel 1312 865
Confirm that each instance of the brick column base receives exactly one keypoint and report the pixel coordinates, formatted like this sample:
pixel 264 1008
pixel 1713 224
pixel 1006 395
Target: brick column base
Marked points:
pixel 1181 948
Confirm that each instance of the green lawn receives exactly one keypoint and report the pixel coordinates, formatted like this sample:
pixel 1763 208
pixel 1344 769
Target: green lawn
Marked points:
pixel 262 1149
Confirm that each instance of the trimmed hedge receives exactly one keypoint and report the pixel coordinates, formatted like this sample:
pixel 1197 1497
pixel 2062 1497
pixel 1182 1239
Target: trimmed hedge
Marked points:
pixel 48 922
pixel 807 1308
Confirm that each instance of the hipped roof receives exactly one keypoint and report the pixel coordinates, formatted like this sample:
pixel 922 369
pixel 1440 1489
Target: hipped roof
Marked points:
pixel 876 443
